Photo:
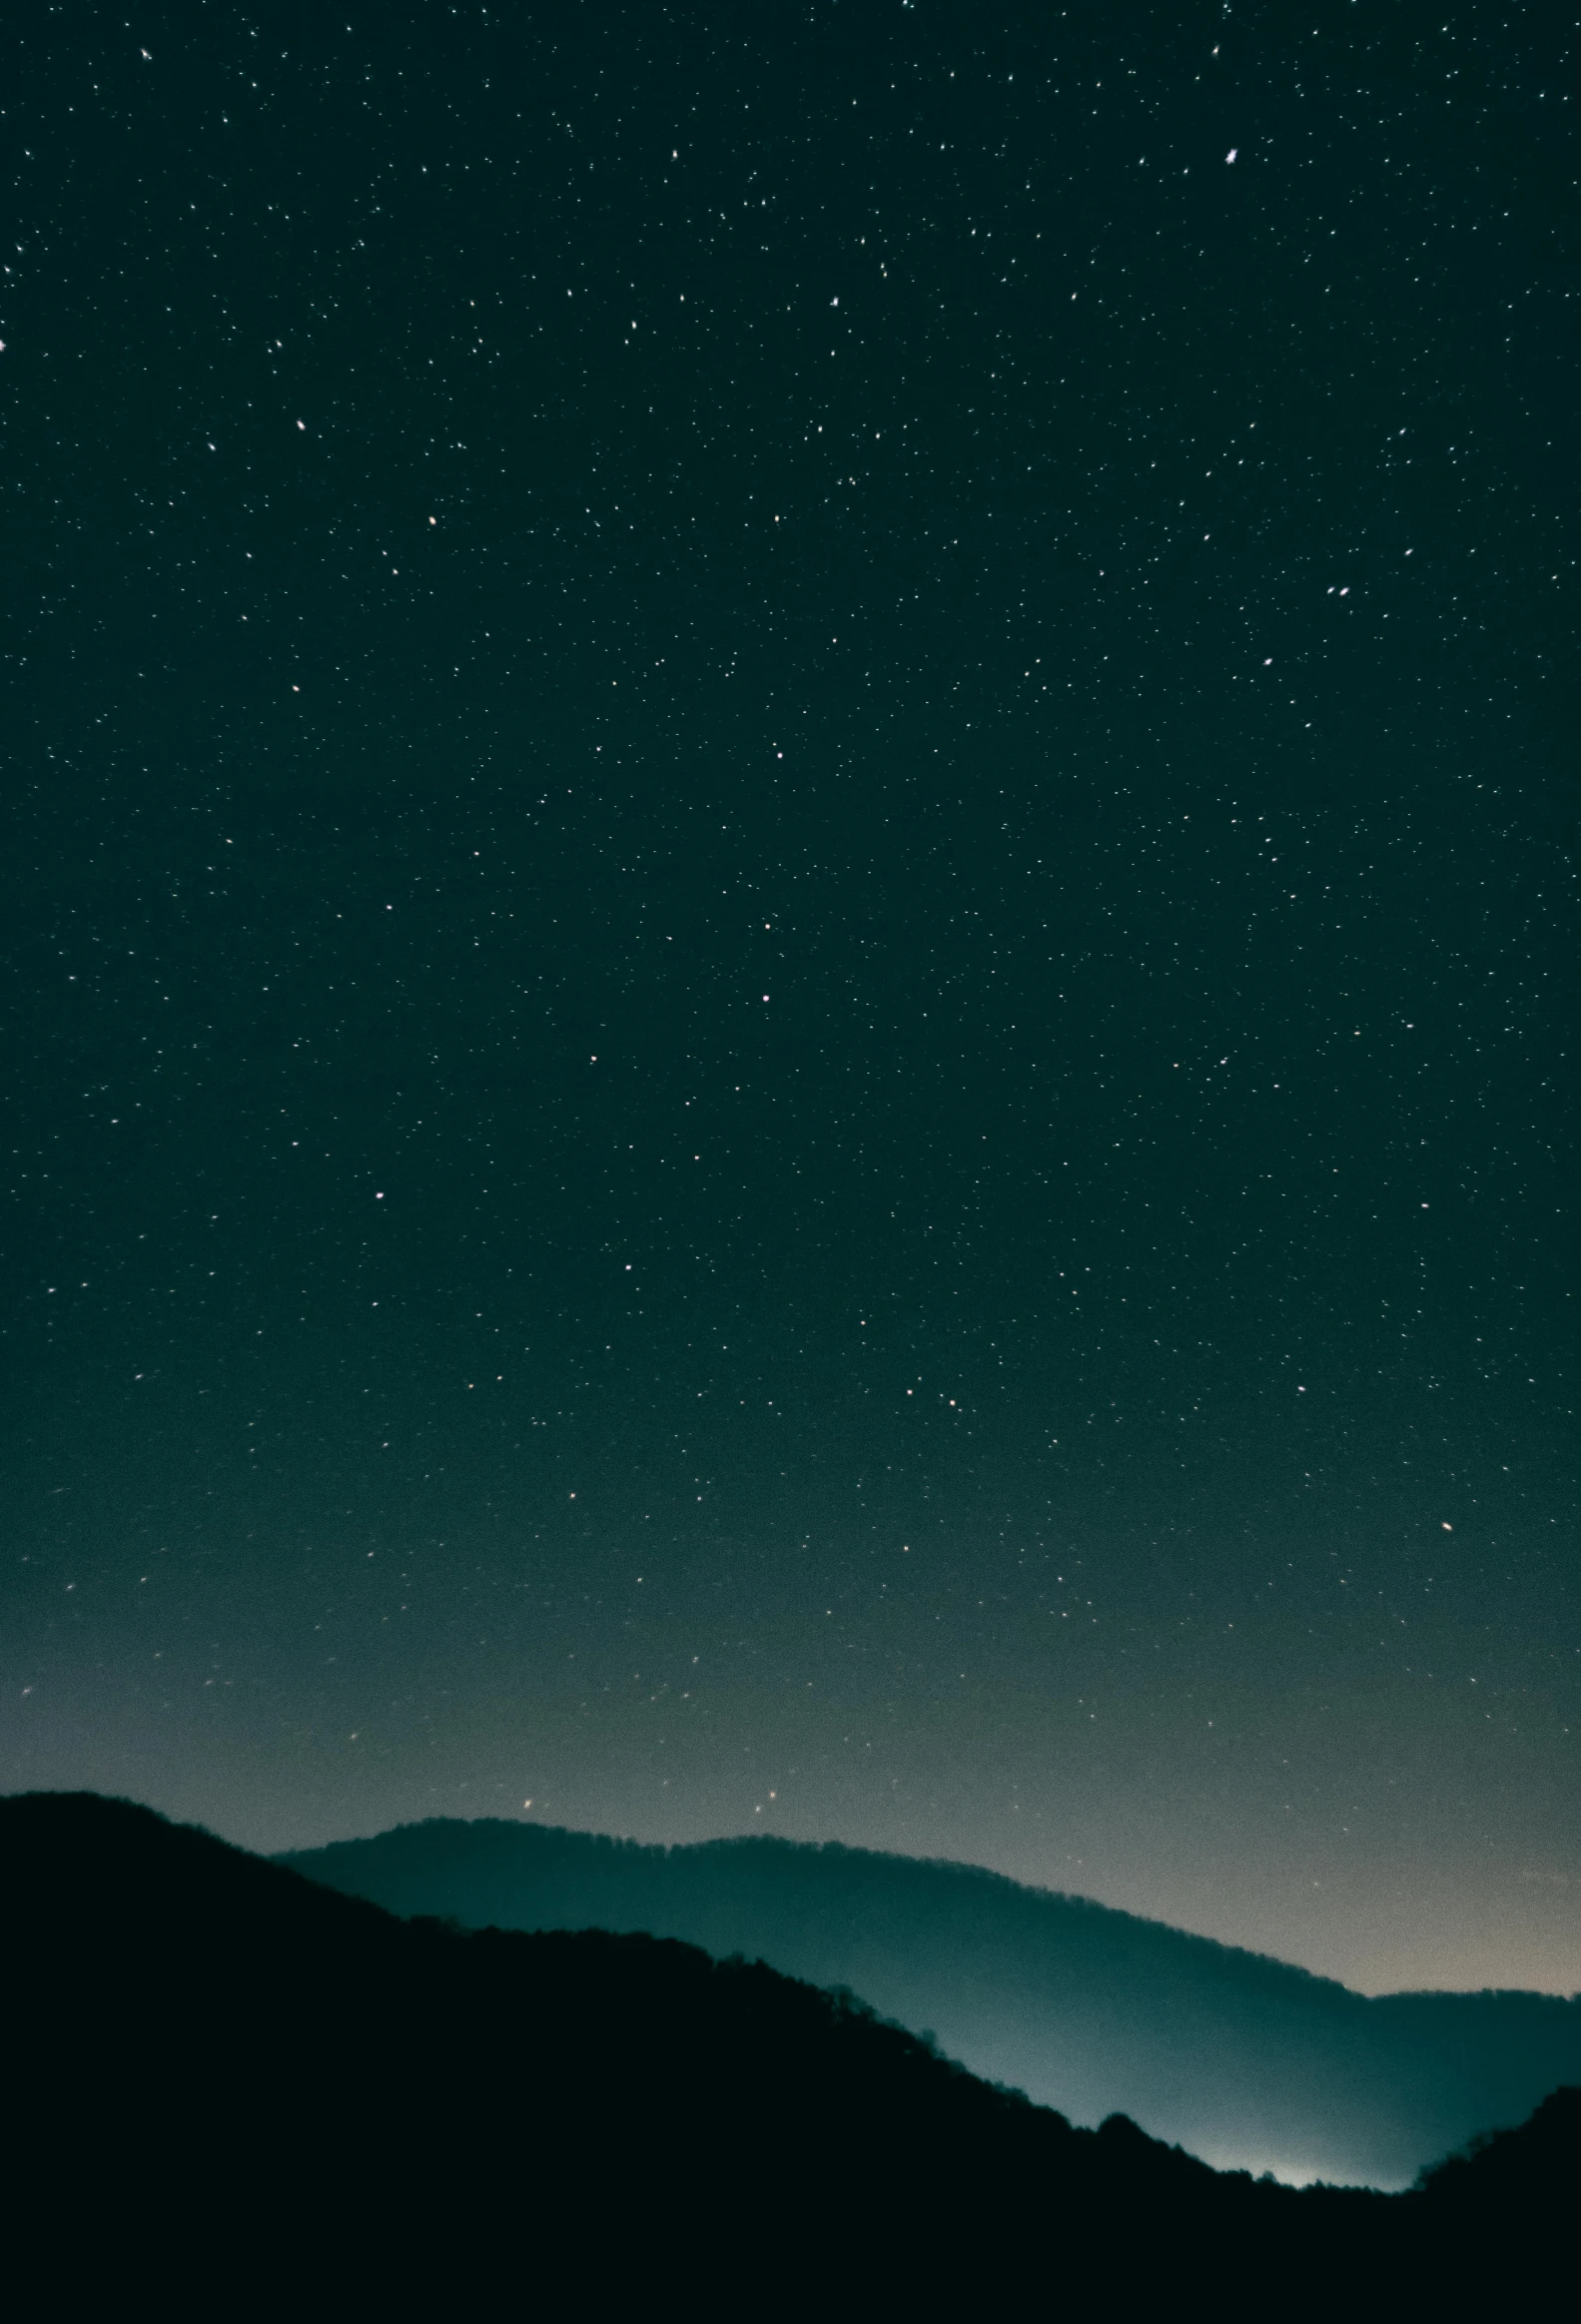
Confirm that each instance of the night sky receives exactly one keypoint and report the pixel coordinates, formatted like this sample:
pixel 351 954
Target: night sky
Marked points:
pixel 789 937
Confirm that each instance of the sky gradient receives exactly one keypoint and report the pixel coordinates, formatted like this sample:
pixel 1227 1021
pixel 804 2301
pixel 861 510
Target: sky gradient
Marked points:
pixel 790 942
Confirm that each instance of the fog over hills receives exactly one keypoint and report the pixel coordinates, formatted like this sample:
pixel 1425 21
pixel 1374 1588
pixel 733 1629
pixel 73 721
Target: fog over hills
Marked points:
pixel 1244 2061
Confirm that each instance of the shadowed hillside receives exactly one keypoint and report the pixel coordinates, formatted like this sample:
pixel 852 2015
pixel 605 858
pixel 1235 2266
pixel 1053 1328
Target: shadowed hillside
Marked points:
pixel 1239 2058
pixel 228 2082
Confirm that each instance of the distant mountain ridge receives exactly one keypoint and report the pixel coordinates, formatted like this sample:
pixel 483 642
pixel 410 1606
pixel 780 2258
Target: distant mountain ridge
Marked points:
pixel 1239 2058
pixel 233 2090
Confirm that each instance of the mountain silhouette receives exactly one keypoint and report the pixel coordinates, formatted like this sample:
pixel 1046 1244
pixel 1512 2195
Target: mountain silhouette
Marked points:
pixel 1244 2061
pixel 228 2083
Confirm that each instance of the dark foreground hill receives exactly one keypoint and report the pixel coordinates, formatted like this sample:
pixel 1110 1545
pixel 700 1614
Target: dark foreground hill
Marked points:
pixel 227 2085
pixel 1240 2059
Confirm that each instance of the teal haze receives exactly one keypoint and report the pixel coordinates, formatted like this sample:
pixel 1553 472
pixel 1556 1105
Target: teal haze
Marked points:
pixel 1243 2060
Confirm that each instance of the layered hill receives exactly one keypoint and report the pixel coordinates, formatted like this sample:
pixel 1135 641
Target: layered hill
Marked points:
pixel 227 2084
pixel 1241 2059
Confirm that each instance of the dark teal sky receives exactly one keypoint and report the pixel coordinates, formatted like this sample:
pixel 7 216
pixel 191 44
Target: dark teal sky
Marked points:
pixel 790 938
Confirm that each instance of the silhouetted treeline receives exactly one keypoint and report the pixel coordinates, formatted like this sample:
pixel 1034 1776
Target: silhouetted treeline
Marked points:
pixel 1236 2057
pixel 228 2085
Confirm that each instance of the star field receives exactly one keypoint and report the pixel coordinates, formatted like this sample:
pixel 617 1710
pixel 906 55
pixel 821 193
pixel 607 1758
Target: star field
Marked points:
pixel 790 937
